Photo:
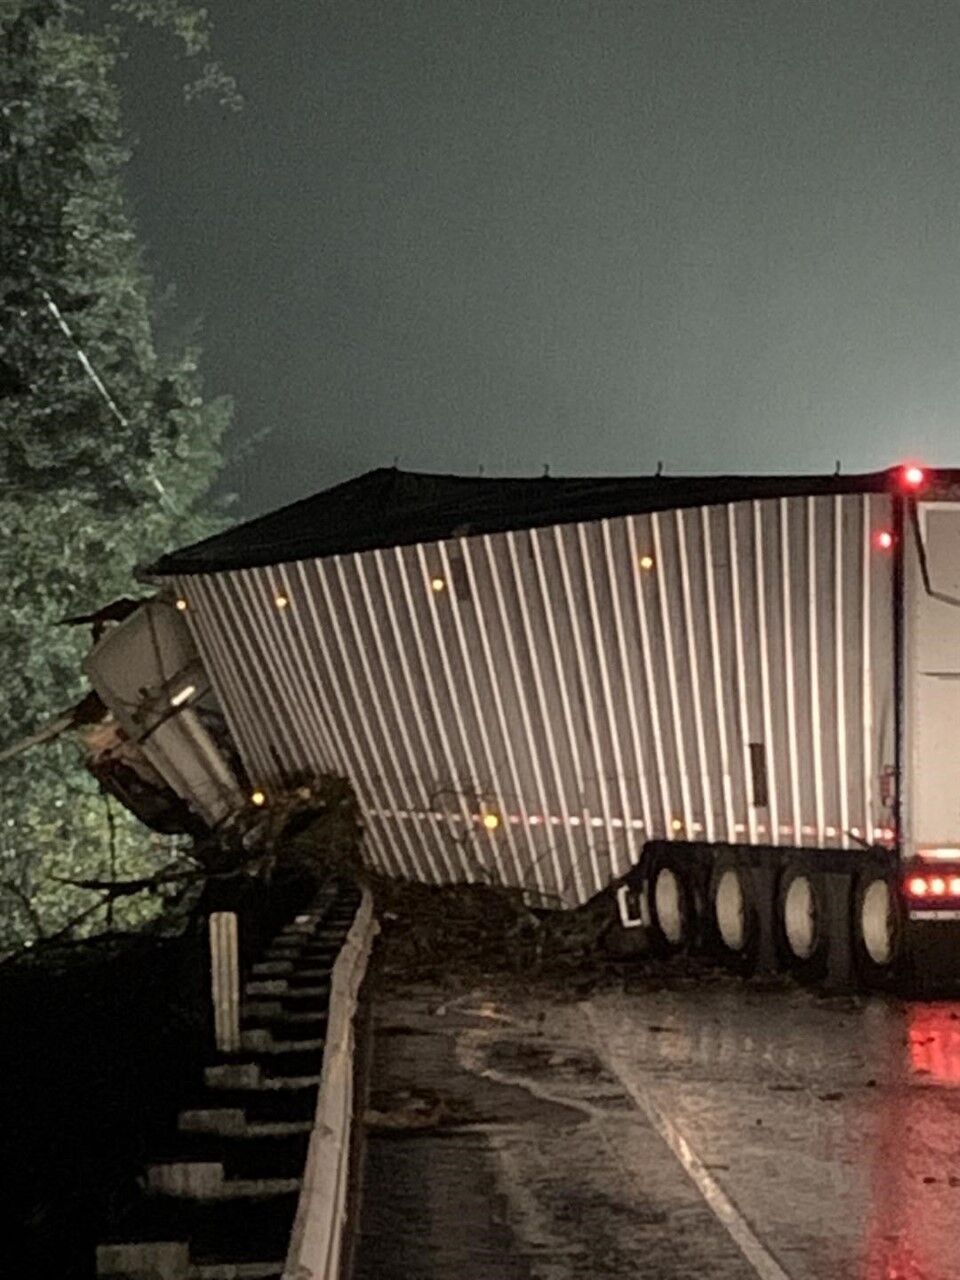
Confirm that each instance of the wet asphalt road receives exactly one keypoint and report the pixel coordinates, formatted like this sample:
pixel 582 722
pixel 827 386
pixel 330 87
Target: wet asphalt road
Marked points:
pixel 832 1127
pixel 699 1130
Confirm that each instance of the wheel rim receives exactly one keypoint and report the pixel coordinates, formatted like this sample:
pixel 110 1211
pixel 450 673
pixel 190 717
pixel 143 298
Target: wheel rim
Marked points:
pixel 730 910
pixel 876 922
pixel 666 897
pixel 800 918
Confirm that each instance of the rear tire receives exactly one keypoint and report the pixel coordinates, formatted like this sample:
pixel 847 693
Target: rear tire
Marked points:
pixel 877 924
pixel 801 921
pixel 733 916
pixel 671 902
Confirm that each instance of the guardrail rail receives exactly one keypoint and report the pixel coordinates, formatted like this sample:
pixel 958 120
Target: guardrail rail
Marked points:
pixel 317 1238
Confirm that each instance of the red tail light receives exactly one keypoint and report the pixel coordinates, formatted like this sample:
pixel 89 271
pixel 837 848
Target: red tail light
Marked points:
pixel 913 476
pixel 938 887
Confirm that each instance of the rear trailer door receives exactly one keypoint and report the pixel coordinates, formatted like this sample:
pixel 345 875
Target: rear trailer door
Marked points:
pixel 932 684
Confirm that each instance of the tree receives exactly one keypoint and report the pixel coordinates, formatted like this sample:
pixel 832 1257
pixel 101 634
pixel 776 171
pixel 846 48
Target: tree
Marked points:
pixel 108 448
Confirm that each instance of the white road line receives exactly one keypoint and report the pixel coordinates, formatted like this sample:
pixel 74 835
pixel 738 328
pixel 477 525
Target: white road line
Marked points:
pixel 760 1258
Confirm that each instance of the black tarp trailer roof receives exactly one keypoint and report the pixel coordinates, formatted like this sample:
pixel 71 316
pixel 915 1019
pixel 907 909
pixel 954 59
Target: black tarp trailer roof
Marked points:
pixel 389 507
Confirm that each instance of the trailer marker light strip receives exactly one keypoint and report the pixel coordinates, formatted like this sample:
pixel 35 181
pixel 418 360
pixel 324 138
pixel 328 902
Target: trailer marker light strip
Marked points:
pixel 635 824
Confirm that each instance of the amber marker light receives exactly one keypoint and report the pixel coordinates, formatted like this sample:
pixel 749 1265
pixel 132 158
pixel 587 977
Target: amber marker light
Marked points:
pixel 646 563
pixel 491 821
pixel 181 604
pixel 280 600
pixel 437 585
pixel 183 695
pixel 258 798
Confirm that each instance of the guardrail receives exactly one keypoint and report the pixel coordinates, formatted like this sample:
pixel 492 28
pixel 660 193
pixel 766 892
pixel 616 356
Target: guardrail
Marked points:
pixel 316 1242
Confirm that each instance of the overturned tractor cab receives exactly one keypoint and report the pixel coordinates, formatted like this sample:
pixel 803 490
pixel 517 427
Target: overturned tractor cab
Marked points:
pixel 162 747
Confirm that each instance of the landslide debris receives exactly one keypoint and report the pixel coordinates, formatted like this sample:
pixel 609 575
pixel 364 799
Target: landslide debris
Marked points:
pixel 461 933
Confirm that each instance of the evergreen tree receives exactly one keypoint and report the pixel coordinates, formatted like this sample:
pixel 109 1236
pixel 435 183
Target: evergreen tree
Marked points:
pixel 94 476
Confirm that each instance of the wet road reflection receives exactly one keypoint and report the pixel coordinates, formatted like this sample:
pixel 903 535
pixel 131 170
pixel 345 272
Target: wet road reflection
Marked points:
pixel 910 1232
pixel 832 1125
pixel 934 1039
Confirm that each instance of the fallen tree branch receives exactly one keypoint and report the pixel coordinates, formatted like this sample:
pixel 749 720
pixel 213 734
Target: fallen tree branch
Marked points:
pixel 88 710
pixel 125 888
pixel 58 935
pixel 31 912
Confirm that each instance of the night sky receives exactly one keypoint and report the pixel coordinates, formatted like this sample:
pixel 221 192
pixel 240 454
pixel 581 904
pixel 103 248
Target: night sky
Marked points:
pixel 723 234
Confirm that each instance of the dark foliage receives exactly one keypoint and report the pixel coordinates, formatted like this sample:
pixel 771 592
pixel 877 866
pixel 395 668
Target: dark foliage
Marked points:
pixel 94 477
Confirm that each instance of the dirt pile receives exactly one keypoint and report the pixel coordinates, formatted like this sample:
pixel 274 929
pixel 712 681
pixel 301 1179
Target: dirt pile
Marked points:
pixel 464 932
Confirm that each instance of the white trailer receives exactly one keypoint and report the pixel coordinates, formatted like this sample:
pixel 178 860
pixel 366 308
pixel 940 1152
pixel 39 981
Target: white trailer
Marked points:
pixel 733 699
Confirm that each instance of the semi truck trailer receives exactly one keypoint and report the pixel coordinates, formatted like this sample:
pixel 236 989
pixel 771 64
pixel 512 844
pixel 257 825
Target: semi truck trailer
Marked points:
pixel 730 703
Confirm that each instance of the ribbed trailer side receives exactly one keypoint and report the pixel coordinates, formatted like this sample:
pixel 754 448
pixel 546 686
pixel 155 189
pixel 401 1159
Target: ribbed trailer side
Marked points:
pixel 531 707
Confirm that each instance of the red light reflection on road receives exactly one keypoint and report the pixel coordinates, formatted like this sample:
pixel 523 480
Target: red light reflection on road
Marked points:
pixel 933 1033
pixel 904 1234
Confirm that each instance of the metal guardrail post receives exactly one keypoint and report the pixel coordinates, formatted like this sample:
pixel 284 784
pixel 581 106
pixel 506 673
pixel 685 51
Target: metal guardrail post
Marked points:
pixel 225 980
